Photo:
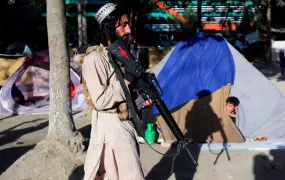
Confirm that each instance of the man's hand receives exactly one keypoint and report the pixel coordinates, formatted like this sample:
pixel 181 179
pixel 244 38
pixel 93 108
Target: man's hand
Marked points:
pixel 127 82
pixel 148 103
pixel 129 78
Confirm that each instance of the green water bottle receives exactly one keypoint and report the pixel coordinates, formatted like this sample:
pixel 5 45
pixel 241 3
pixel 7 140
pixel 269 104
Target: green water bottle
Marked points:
pixel 150 134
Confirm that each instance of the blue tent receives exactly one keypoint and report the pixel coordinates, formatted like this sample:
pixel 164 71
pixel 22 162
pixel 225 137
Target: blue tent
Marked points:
pixel 192 68
pixel 203 66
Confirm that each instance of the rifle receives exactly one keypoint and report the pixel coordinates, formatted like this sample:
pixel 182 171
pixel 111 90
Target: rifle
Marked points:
pixel 147 86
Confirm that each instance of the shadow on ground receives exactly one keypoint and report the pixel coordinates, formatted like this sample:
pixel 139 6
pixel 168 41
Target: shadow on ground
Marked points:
pixel 12 134
pixel 77 173
pixel 10 155
pixel 269 168
pixel 270 70
pixel 180 165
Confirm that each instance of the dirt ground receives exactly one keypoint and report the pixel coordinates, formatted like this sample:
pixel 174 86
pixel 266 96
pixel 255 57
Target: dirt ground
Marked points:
pixel 19 134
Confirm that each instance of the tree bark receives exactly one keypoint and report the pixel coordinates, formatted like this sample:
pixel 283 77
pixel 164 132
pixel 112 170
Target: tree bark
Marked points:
pixel 269 44
pixel 82 23
pixel 245 21
pixel 61 125
pixel 199 14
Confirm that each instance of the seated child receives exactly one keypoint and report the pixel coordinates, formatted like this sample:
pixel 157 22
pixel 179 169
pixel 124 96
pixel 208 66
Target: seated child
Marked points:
pixel 232 104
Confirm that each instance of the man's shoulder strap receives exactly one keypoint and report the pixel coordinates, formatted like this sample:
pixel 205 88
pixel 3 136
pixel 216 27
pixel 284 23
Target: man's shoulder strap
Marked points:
pixel 98 48
pixel 137 121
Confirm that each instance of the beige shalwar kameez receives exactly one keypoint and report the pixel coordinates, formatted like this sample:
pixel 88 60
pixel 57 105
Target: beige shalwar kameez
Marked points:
pixel 113 152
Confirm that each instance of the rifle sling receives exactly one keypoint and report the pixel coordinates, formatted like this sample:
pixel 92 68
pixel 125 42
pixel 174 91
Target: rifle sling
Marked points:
pixel 137 121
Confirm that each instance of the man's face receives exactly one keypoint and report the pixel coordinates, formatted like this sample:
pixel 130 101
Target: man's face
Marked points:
pixel 230 108
pixel 122 27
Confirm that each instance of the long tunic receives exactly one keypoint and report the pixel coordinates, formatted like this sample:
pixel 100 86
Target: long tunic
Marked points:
pixel 113 152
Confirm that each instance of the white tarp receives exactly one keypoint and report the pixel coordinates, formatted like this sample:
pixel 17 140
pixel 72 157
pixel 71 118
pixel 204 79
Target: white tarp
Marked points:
pixel 261 112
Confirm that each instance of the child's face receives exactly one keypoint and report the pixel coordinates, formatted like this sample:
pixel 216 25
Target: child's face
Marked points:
pixel 230 108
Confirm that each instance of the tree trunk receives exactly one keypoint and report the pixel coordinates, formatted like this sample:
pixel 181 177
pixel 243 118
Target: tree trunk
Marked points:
pixel 245 21
pixel 268 46
pixel 134 22
pixel 82 23
pixel 61 125
pixel 199 14
pixel 51 159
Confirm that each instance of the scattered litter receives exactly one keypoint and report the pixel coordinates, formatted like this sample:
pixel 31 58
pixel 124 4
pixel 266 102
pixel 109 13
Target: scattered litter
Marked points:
pixel 18 143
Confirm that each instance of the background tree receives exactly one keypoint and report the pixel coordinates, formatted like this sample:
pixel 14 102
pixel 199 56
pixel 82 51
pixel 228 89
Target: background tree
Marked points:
pixel 263 20
pixel 82 23
pixel 57 156
pixel 61 125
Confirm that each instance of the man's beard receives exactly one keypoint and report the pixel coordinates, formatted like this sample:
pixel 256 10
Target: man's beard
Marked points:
pixel 126 38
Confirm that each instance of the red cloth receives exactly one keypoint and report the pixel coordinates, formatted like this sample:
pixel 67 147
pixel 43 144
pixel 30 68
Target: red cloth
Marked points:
pixel 72 90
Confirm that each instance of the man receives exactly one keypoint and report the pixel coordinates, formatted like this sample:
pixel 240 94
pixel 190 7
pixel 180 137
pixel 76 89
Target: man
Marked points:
pixel 113 151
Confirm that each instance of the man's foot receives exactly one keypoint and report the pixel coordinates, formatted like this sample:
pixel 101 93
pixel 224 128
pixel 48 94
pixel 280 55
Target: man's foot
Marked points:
pixel 141 140
pixel 160 141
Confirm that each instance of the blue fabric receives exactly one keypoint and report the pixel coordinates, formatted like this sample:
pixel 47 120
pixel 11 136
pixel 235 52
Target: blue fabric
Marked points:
pixel 200 63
